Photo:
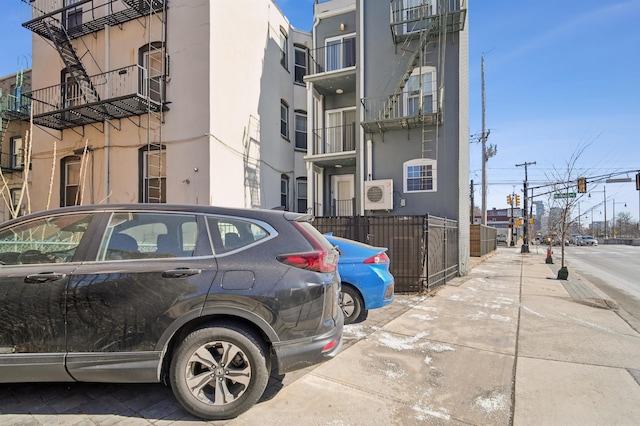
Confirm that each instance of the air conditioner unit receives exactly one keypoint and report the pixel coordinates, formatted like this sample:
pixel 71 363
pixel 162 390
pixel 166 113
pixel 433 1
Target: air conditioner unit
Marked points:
pixel 378 194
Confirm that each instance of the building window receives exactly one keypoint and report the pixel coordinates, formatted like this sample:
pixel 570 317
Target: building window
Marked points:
pixel 340 52
pixel 70 183
pixel 284 49
pixel 152 68
pixel 16 193
pixel 17 153
pixel 301 195
pixel 301 130
pixel 153 179
pixel 420 175
pixel 300 64
pixel 422 80
pixel 284 119
pixel 284 192
pixel 73 16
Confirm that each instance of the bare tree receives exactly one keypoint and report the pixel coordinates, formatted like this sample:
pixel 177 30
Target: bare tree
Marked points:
pixel 565 197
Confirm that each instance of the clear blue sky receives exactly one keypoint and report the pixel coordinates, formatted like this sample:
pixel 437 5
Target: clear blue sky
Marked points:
pixel 559 75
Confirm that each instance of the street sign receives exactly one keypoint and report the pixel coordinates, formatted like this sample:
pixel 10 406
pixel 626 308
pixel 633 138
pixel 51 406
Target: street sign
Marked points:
pixel 564 195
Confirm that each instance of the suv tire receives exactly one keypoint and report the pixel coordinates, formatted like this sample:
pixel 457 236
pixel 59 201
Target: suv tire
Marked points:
pixel 220 371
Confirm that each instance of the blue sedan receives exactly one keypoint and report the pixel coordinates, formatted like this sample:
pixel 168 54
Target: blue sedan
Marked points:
pixel 366 280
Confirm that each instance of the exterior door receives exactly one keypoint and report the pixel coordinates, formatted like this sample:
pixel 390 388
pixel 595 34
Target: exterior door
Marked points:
pixel 342 195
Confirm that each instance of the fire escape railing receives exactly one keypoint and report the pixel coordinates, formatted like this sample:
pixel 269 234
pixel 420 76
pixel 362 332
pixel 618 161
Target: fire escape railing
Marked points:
pixel 119 93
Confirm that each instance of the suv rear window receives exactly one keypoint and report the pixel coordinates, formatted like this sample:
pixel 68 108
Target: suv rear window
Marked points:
pixel 231 234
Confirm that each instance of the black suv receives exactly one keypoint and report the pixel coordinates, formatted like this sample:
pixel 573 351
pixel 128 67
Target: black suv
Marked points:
pixel 203 298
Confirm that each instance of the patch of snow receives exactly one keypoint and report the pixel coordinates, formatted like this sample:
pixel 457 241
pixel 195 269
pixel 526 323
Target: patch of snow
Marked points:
pixel 500 318
pixel 531 311
pixel 494 402
pixel 422 317
pixel 424 413
pixel 438 347
pixel 398 343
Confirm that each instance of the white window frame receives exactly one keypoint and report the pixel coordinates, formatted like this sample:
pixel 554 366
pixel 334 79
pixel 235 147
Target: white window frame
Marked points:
pixel 335 53
pixel 17 152
pixel 146 177
pixel 426 77
pixel 300 117
pixel 68 183
pixel 284 119
pixel 336 128
pixel 409 173
pixel 284 192
pixel 302 193
pixel 411 9
pixel 299 66
pixel 283 43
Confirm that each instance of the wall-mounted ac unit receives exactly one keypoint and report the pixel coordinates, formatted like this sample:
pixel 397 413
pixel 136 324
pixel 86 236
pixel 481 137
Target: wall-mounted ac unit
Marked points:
pixel 378 194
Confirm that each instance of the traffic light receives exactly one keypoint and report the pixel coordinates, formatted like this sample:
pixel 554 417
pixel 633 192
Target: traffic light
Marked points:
pixel 517 200
pixel 638 181
pixel 582 185
pixel 509 200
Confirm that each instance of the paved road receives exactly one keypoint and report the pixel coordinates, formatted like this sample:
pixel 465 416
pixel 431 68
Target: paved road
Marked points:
pixel 614 269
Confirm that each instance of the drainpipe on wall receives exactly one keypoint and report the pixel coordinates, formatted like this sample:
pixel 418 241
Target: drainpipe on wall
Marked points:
pixel 107 124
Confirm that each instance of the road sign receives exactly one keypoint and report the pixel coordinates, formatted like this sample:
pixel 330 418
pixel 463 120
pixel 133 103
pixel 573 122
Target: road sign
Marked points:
pixel 564 195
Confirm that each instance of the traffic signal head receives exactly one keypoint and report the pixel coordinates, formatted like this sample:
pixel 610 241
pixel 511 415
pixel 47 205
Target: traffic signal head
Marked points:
pixel 638 181
pixel 582 185
pixel 509 201
pixel 517 200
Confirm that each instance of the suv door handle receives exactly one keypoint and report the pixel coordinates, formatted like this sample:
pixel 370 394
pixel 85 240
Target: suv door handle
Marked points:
pixel 181 273
pixel 44 277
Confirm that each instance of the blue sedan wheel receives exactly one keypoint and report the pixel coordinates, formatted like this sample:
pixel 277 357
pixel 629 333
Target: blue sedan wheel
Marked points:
pixel 352 305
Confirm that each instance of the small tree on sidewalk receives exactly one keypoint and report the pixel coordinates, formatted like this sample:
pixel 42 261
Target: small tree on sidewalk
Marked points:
pixel 565 197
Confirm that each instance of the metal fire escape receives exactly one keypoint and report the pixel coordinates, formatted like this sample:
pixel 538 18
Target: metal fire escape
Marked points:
pixel 135 90
pixel 418 27
pixel 13 106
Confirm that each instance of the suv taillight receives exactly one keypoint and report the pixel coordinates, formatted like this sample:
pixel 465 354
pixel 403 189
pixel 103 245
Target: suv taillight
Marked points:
pixel 377 259
pixel 323 257
pixel 319 260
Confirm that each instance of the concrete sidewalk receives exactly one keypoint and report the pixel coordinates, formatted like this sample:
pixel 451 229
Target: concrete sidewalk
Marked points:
pixel 507 344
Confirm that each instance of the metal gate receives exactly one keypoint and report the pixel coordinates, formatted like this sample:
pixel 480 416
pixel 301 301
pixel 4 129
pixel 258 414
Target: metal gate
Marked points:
pixel 423 249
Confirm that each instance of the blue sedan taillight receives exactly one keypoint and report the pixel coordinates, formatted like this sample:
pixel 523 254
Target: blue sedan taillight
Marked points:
pixel 379 258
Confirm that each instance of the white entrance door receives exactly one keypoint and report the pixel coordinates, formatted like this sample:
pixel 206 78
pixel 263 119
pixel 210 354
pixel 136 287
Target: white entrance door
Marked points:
pixel 342 195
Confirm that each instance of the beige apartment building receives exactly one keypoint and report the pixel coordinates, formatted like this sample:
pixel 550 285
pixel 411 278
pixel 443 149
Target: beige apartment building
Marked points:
pixel 157 101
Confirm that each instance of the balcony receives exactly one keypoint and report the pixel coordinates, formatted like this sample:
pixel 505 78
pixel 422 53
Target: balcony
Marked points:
pixel 14 107
pixel 333 66
pixel 87 16
pixel 400 111
pixel 409 18
pixel 334 146
pixel 121 93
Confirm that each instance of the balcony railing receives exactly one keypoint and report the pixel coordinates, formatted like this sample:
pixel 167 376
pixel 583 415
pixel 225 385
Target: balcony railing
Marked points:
pixel 403 110
pixel 410 17
pixel 120 93
pixel 336 55
pixel 87 16
pixel 14 106
pixel 330 140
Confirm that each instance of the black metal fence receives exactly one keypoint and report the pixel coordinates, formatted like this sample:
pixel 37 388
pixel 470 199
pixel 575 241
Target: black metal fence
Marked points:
pixel 423 249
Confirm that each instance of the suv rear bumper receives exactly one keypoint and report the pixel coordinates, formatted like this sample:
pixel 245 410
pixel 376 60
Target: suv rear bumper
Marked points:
pixel 298 354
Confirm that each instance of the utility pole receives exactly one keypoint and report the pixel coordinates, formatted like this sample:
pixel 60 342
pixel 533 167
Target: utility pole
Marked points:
pixel 525 240
pixel 487 151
